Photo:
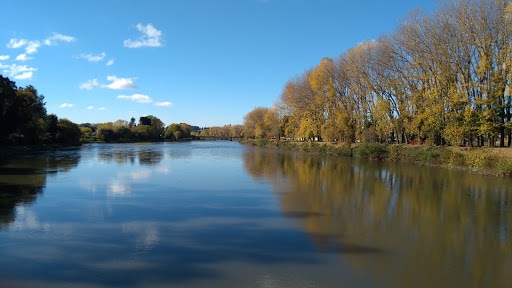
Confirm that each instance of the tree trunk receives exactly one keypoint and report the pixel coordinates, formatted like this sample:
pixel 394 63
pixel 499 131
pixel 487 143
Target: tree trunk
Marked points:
pixel 502 133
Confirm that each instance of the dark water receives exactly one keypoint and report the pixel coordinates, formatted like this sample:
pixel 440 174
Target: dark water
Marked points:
pixel 220 214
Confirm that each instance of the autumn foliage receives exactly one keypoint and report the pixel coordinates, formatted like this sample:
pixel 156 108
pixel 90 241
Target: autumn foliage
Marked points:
pixel 440 78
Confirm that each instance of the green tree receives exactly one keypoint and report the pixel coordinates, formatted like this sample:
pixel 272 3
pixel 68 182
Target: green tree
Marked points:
pixel 68 132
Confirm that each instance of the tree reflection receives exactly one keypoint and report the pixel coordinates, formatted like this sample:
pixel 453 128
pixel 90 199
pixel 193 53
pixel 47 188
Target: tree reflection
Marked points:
pixel 432 226
pixel 23 179
pixel 149 155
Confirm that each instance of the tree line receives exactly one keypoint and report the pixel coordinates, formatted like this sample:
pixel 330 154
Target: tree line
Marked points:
pixel 149 128
pixel 24 119
pixel 226 131
pixel 441 78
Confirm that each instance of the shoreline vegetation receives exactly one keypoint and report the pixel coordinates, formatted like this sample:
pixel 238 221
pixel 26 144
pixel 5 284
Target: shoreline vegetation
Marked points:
pixel 478 160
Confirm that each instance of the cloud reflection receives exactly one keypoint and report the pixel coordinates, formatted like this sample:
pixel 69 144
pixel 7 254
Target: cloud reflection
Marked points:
pixel 121 185
pixel 147 234
pixel 27 220
pixel 119 188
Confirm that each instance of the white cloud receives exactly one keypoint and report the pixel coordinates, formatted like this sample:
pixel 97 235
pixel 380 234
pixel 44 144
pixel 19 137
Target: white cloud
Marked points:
pixel 56 38
pixel 120 83
pixel 150 37
pixel 163 104
pixel 93 58
pixel 4 57
pixel 137 98
pixel 110 62
pixel 102 108
pixel 23 57
pixel 15 43
pixel 89 84
pixel 23 76
pixel 90 107
pixel 32 47
pixel 19 72
pixel 64 105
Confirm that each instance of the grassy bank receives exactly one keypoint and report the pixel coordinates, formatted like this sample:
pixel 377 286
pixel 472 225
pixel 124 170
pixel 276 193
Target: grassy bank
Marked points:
pixel 488 161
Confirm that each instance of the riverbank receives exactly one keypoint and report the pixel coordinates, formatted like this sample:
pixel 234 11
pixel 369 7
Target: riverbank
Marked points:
pixel 485 161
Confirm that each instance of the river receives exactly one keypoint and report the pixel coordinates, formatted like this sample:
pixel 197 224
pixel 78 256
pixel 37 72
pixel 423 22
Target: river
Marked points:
pixel 222 214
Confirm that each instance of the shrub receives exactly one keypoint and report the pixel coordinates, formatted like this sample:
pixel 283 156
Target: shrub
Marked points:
pixel 504 167
pixel 342 151
pixel 479 158
pixel 322 148
pixel 261 142
pixel 425 155
pixel 305 147
pixel 373 151
pixel 396 152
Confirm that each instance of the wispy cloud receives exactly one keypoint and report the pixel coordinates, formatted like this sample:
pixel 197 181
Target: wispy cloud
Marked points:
pixel 90 107
pixel 139 98
pixel 145 99
pixel 50 41
pixel 150 37
pixel 89 85
pixel 102 108
pixel 31 46
pixel 64 105
pixel 110 62
pixel 163 104
pixel 93 58
pixel 4 57
pixel 23 57
pixel 120 83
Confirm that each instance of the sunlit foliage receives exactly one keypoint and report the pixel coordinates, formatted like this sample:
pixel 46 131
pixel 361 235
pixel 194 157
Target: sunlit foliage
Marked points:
pixel 440 78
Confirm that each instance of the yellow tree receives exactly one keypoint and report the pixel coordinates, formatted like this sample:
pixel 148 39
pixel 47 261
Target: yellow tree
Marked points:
pixel 254 123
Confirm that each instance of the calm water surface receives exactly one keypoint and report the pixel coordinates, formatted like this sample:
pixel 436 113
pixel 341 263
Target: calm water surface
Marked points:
pixel 220 214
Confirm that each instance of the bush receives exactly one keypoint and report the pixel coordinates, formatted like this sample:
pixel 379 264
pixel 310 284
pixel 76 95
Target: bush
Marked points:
pixel 261 142
pixel 479 158
pixel 424 155
pixel 373 151
pixel 504 167
pixel 341 151
pixel 396 152
pixel 321 148
pixel 306 147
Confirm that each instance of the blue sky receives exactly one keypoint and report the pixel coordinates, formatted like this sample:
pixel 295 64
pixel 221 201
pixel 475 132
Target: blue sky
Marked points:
pixel 203 62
